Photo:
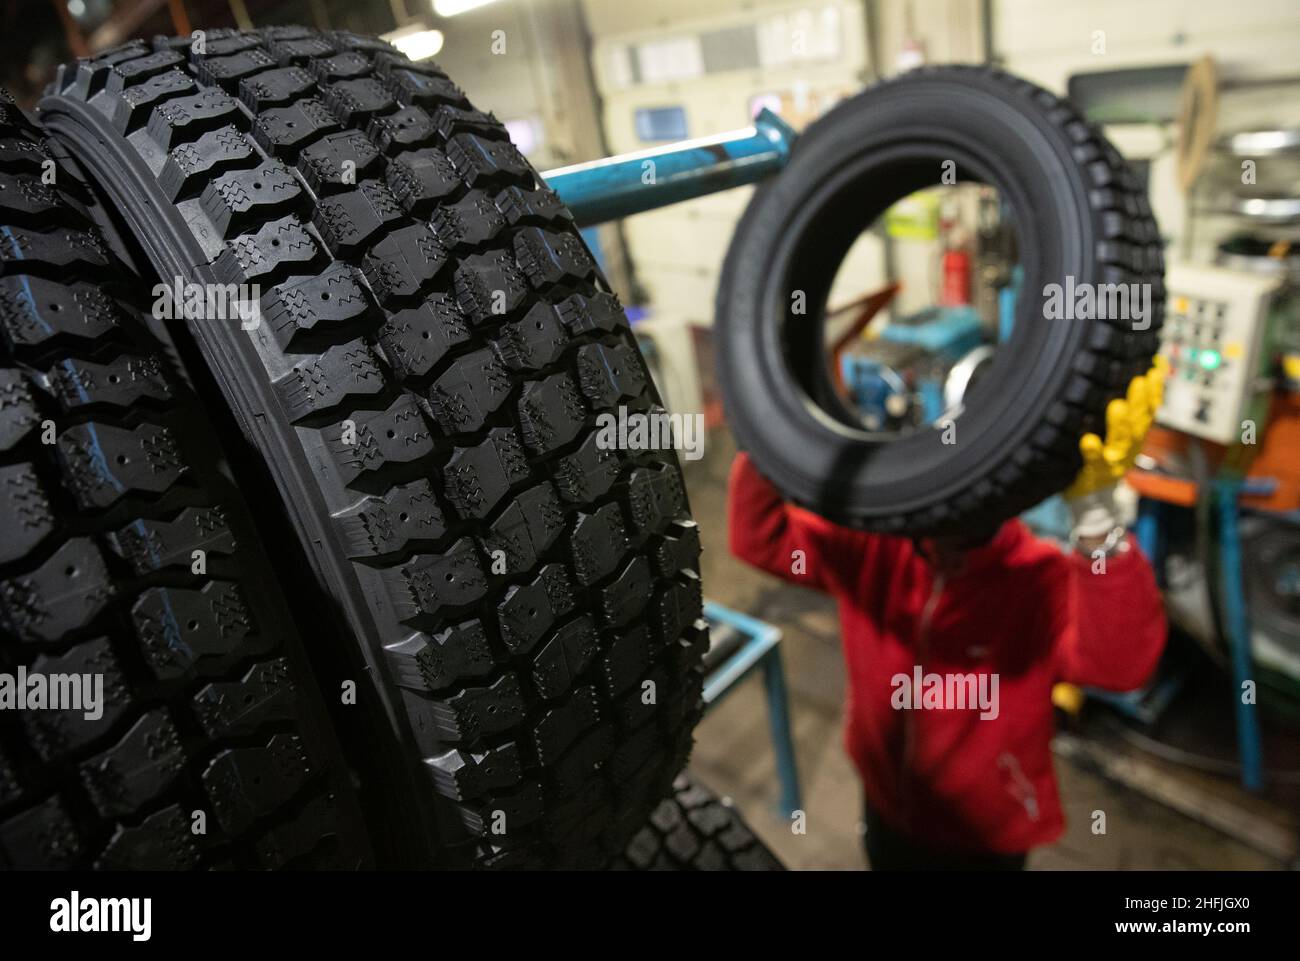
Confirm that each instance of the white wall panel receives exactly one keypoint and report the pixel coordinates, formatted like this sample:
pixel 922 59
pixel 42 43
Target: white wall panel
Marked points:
pixel 812 53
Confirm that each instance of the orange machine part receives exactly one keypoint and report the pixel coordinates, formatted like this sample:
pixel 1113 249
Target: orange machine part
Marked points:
pixel 1278 460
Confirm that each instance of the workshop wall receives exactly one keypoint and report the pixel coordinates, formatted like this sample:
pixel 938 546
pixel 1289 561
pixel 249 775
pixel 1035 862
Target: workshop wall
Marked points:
pixel 697 67
pixel 1252 43
pixel 507 74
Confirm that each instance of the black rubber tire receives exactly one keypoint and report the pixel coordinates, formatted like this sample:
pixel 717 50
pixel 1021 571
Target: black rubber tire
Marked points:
pixel 1079 211
pixel 110 479
pixel 694 831
pixel 472 341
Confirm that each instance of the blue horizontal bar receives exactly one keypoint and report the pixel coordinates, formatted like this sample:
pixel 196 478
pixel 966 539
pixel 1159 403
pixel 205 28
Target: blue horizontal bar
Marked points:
pixel 632 183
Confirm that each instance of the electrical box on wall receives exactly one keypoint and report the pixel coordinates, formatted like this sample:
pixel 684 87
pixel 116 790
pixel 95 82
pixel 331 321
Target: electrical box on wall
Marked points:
pixel 1215 322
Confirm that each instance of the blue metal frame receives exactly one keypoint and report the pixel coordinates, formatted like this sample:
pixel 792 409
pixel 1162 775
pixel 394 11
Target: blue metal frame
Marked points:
pixel 631 183
pixel 1237 626
pixel 759 650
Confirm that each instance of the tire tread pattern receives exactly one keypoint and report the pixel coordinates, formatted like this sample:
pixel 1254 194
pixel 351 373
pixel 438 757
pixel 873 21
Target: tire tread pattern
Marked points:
pixel 693 830
pixel 109 485
pixel 425 291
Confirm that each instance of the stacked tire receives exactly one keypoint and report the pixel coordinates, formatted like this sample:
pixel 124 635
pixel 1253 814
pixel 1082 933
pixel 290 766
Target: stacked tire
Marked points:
pixel 694 830
pixel 508 614
pixel 131 556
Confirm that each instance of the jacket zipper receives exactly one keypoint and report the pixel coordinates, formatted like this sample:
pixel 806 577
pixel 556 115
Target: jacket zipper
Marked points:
pixel 909 725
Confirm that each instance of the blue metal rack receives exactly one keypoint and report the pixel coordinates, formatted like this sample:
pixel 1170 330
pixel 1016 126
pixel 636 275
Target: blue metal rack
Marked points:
pixel 759 650
pixel 648 179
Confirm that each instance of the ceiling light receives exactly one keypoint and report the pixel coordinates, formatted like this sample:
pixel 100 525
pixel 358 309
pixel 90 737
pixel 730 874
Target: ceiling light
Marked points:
pixel 449 8
pixel 416 42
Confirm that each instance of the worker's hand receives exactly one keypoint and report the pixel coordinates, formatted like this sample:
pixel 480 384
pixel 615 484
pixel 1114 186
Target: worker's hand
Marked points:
pixel 1090 496
pixel 1127 421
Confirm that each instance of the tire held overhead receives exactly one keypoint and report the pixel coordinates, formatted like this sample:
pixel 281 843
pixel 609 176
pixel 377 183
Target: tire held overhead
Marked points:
pixel 1081 218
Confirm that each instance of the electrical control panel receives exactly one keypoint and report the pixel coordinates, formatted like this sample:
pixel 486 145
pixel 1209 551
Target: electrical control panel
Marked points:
pixel 1215 319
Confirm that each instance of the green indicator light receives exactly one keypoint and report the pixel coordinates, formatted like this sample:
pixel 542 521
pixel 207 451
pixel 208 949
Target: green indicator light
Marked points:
pixel 1210 360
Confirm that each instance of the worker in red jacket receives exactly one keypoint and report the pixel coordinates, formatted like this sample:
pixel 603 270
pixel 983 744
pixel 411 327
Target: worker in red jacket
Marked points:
pixel 952 648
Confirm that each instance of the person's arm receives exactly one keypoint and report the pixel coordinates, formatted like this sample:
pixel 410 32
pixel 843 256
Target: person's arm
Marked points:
pixel 1111 617
pixel 1113 625
pixel 792 543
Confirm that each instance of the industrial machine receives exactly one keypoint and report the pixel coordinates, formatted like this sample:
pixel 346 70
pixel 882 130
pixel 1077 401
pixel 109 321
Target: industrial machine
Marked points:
pixel 1214 339
pixel 915 369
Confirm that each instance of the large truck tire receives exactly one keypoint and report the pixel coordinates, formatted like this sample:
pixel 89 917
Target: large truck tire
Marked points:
pixel 1081 217
pixel 436 347
pixel 128 555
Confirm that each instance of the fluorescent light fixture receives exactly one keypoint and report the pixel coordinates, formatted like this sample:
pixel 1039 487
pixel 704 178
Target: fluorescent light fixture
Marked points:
pixel 449 8
pixel 525 134
pixel 416 42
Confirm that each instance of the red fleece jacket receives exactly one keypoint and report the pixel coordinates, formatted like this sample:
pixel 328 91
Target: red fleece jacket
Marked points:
pixel 1019 609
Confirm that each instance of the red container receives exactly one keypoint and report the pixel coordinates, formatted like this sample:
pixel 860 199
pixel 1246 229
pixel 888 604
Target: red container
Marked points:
pixel 955 291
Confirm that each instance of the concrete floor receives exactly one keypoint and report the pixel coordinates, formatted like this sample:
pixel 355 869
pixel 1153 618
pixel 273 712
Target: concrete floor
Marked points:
pixel 733 753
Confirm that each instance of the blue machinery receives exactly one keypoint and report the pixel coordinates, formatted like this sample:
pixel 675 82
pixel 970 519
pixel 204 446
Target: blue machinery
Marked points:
pixel 620 186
